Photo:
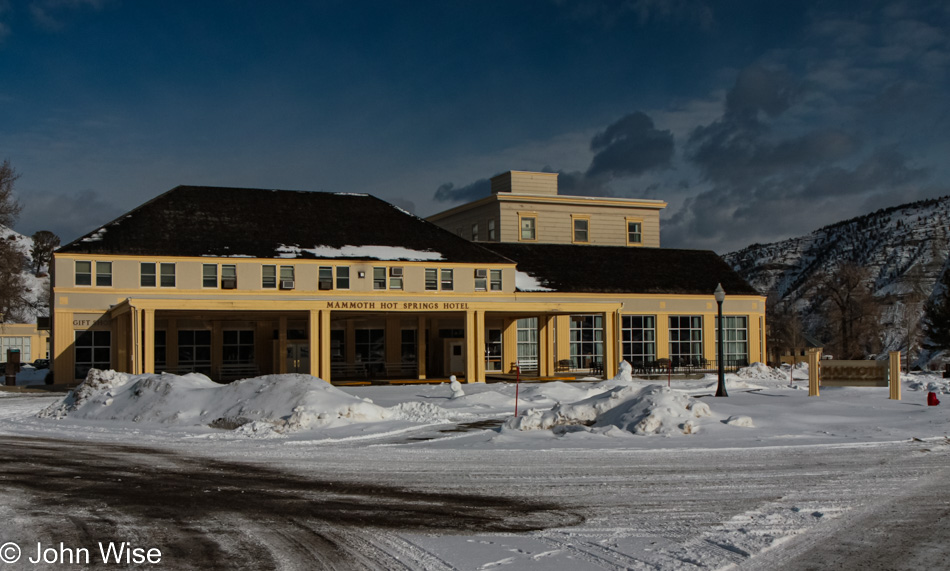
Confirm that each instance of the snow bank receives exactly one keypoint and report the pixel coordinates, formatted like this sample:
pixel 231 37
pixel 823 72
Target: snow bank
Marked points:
pixel 652 409
pixel 762 371
pixel 272 403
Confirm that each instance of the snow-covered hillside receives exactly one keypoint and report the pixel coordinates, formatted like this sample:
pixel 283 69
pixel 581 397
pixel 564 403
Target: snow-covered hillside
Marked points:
pixel 905 248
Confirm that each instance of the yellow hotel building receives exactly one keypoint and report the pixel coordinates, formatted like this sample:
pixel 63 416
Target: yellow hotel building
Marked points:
pixel 235 282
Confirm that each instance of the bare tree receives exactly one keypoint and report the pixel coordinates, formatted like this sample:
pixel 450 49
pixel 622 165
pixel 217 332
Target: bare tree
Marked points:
pixel 852 313
pixel 9 206
pixel 785 329
pixel 13 300
pixel 14 304
pixel 911 310
pixel 44 242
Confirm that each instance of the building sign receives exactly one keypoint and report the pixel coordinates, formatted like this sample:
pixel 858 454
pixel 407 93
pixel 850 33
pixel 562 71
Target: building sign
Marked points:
pixel 90 321
pixel 399 305
pixel 854 373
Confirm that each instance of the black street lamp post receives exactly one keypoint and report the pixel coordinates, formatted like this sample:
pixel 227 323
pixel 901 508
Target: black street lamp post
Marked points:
pixel 720 295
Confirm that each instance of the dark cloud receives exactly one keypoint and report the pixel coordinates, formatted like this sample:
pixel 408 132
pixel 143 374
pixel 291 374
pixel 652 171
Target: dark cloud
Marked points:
pixel 760 90
pixel 69 216
pixel 630 147
pixel 773 167
pixel 478 189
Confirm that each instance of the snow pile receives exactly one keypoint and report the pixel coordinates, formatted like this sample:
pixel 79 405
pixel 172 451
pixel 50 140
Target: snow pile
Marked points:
pixel 738 420
pixel 930 384
pixel 761 371
pixel 422 412
pixel 652 409
pixel 272 403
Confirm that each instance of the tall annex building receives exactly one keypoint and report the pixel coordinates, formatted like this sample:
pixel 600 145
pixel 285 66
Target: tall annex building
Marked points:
pixel 234 282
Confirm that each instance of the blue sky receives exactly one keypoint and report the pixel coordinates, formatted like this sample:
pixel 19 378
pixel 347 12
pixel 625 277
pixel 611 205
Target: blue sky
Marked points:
pixel 755 120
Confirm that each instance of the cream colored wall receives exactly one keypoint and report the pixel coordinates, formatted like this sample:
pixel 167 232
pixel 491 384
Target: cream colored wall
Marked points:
pixel 523 182
pixel 188 279
pixel 608 224
pixel 463 219
pixel 39 340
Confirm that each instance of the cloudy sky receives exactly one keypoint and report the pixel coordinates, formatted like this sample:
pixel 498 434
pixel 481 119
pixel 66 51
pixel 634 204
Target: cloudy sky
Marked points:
pixel 755 120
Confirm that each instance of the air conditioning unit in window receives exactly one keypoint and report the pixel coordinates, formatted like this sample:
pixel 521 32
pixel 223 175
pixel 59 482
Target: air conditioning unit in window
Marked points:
pixel 229 283
pixel 481 274
pixel 395 272
pixel 286 284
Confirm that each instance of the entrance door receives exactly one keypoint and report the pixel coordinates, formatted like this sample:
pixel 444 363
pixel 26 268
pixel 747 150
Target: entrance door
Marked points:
pixel 455 357
pixel 298 357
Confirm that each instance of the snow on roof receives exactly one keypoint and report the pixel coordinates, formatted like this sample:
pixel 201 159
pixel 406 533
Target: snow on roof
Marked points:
pixel 527 282
pixel 372 252
pixel 95 236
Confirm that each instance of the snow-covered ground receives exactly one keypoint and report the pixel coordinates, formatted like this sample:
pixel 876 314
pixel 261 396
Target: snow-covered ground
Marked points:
pixel 641 464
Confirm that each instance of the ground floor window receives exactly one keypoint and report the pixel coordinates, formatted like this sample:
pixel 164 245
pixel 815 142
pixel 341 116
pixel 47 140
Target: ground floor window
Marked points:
pixel 686 339
pixel 161 350
pixel 238 347
pixel 493 350
pixel 735 350
pixel 93 351
pixel 370 346
pixel 638 342
pixel 194 351
pixel 587 341
pixel 21 344
pixel 408 346
pixel 527 330
pixel 338 345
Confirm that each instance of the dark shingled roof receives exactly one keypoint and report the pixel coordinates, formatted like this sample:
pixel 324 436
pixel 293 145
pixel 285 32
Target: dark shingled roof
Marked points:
pixel 621 269
pixel 213 221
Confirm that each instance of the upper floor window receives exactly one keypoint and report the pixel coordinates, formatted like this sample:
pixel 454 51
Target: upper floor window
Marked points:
pixel 491 229
pixel 432 279
pixel 448 282
pixel 634 232
pixel 481 280
pixel 147 275
pixel 528 229
pixel 103 273
pixel 495 280
pixel 83 273
pixel 343 277
pixel 167 278
pixel 395 278
pixel 209 275
pixel 228 276
pixel 379 278
pixel 581 229
pixel 475 232
pixel 325 278
pixel 269 277
pixel 287 277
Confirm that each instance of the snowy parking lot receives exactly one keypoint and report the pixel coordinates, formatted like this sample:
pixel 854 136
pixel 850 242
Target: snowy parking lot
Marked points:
pixel 285 472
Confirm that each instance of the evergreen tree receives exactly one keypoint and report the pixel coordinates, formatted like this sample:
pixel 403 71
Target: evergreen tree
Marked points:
pixel 937 316
pixel 44 242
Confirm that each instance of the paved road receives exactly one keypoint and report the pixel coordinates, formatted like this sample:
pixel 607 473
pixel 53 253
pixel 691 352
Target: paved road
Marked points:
pixel 402 506
pixel 207 513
